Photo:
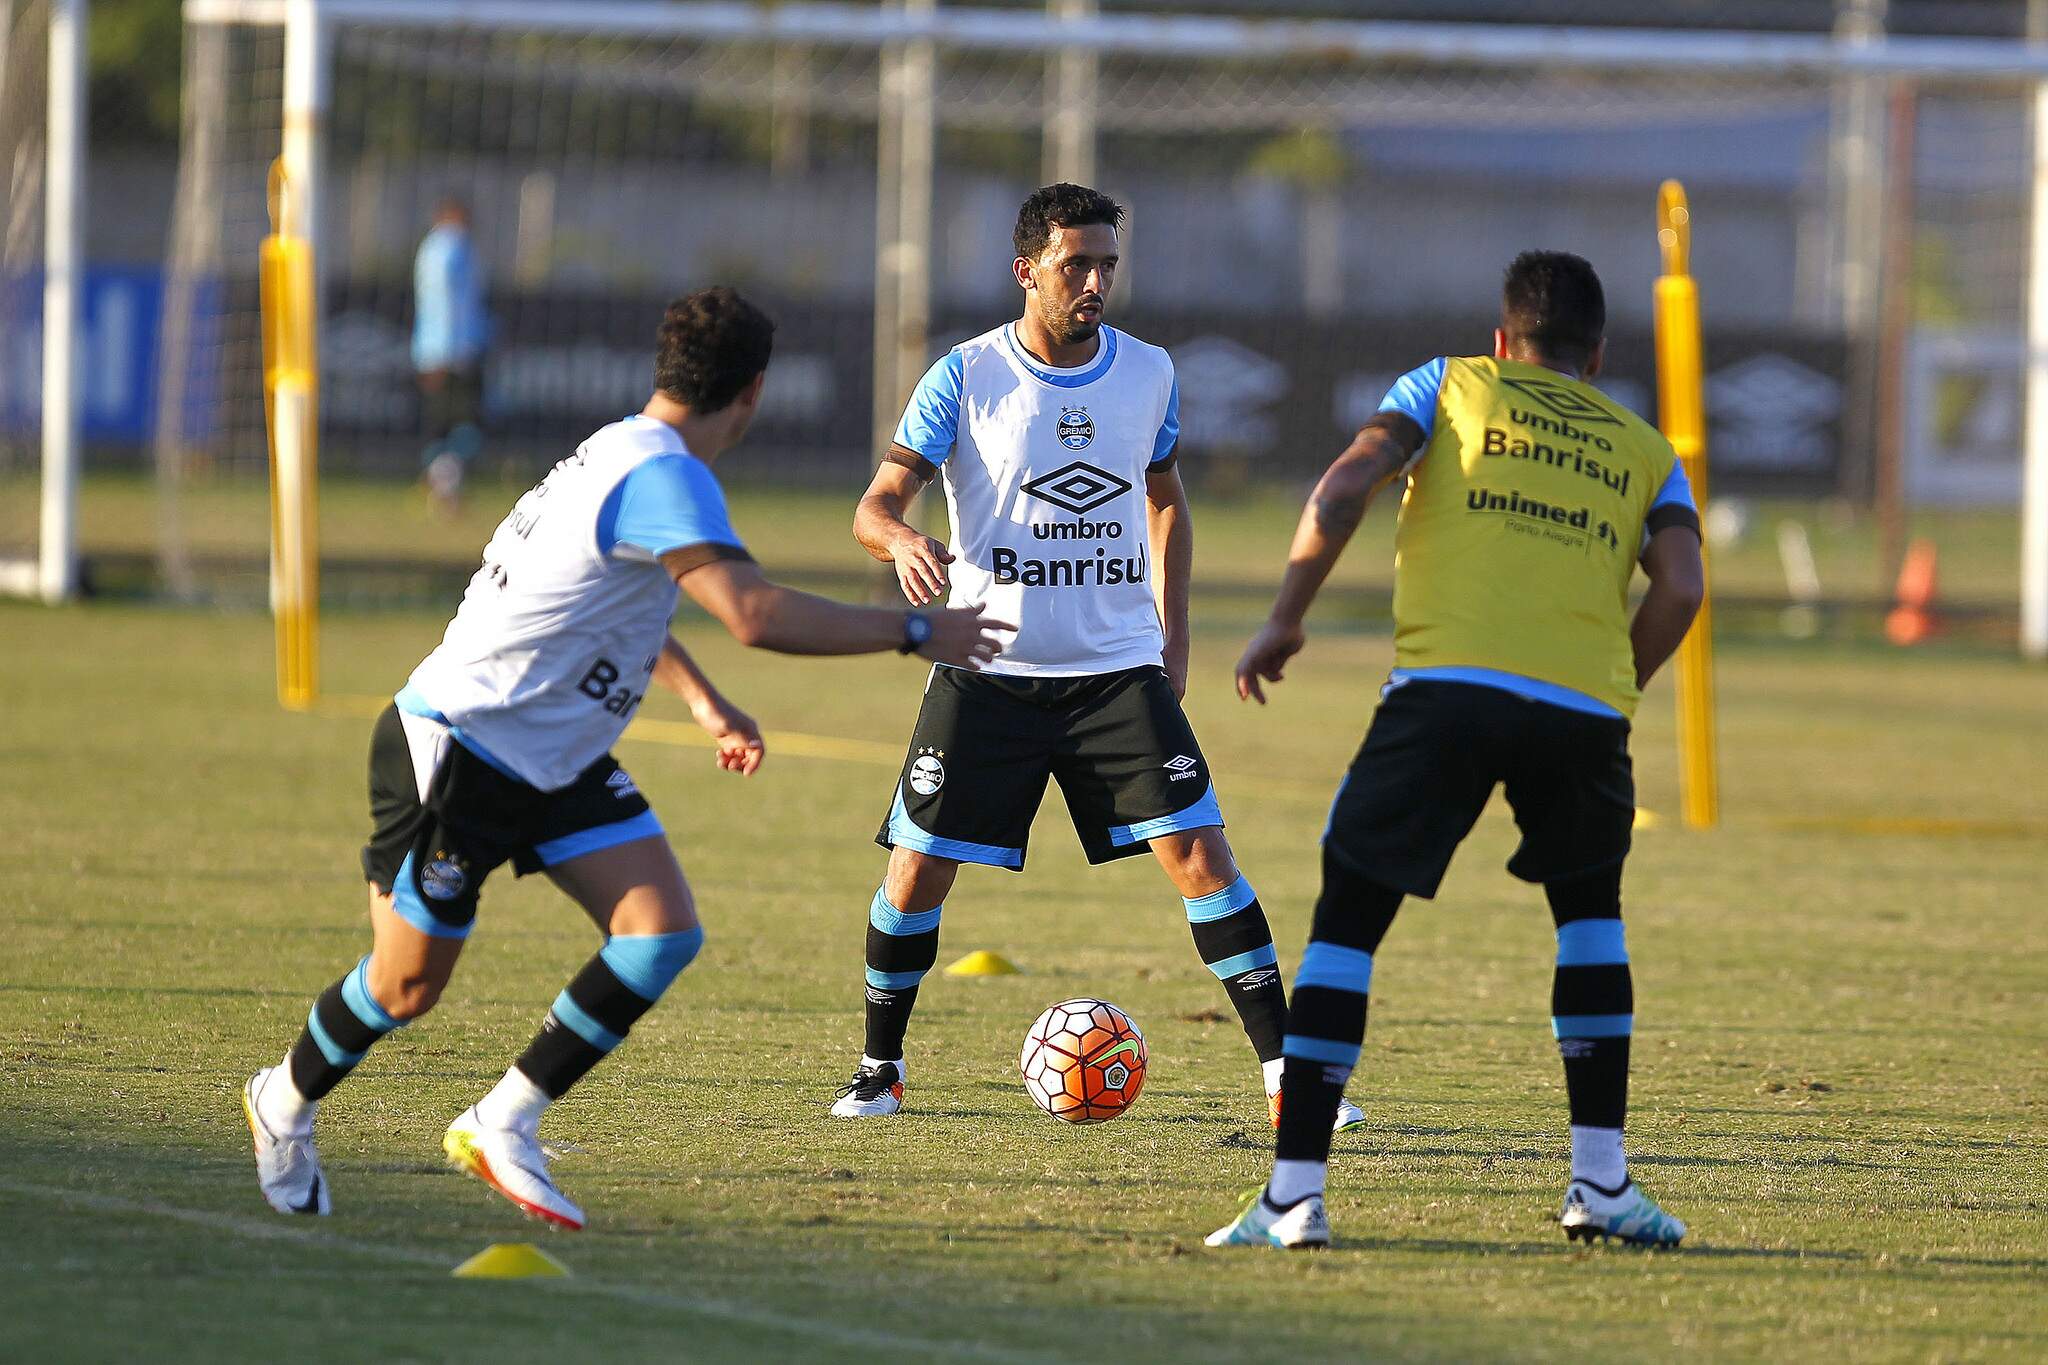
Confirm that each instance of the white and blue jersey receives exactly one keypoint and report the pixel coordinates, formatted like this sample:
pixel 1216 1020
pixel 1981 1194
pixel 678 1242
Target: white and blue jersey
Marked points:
pixel 1044 471
pixel 560 629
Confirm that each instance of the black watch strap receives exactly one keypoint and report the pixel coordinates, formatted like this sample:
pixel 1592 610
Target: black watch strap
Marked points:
pixel 917 631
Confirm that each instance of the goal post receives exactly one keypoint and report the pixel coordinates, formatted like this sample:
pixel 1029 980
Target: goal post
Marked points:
pixel 852 164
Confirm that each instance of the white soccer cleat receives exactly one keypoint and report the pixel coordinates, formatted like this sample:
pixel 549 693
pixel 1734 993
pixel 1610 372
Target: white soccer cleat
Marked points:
pixel 287 1166
pixel 874 1092
pixel 1349 1115
pixel 515 1165
pixel 1302 1227
pixel 1627 1214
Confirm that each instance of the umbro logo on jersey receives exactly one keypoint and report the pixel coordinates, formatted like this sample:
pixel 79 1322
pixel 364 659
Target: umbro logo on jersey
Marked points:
pixel 1259 977
pixel 1077 428
pixel 1562 399
pixel 1078 487
pixel 621 784
pixel 1180 767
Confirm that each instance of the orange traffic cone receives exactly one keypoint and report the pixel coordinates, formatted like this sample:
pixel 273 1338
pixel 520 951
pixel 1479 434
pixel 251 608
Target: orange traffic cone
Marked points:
pixel 1913 619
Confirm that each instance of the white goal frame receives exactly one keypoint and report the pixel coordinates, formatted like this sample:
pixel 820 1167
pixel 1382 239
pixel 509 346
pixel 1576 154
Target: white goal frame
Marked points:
pixel 907 32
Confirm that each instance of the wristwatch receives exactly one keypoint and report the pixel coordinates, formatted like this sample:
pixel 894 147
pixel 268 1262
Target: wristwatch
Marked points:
pixel 917 632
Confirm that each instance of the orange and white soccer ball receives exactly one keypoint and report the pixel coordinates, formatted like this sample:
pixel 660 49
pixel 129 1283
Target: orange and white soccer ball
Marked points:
pixel 1084 1061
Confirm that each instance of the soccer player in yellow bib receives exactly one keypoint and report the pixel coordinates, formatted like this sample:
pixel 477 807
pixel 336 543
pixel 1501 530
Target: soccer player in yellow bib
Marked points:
pixel 1531 499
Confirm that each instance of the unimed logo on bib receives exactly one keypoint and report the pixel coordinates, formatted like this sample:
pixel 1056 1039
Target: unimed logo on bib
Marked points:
pixel 1078 488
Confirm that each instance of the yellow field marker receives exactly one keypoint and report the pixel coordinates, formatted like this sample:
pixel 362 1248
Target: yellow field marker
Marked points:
pixel 510 1261
pixel 982 962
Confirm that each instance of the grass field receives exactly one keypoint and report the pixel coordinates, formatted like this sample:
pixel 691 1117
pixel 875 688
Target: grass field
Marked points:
pixel 1842 1074
pixel 369 527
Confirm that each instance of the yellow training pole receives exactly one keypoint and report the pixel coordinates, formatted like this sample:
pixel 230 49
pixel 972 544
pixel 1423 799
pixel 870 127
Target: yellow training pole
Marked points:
pixel 1681 408
pixel 291 387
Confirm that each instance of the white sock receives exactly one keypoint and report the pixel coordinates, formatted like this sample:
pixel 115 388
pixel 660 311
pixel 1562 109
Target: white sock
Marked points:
pixel 279 1104
pixel 1273 1070
pixel 515 1103
pixel 1295 1180
pixel 1597 1156
pixel 897 1062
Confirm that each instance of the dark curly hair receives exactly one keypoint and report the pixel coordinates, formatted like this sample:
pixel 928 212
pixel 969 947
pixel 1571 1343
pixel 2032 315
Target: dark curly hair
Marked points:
pixel 712 344
pixel 1552 300
pixel 1061 206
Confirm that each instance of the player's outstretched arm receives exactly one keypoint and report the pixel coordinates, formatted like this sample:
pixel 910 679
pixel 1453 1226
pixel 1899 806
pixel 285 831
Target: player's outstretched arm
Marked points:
pixel 1171 529
pixel 1380 451
pixel 765 615
pixel 879 526
pixel 740 749
pixel 1678 584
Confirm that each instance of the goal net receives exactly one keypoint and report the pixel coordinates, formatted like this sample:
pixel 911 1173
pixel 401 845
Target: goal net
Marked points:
pixel 1308 219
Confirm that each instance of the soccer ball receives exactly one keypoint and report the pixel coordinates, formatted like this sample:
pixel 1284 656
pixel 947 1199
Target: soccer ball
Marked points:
pixel 1083 1061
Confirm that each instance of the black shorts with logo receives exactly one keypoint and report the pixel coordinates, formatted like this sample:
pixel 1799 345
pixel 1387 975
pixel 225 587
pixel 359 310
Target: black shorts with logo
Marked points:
pixel 1432 758
pixel 433 853
pixel 1118 743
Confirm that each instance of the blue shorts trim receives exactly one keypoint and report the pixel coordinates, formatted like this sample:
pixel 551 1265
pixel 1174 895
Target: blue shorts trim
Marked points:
pixel 406 901
pixel 1201 815
pixel 893 981
pixel 1220 904
pixel 641 826
pixel 1335 967
pixel 1592 1025
pixel 572 1017
pixel 1320 1050
pixel 904 833
pixel 1262 956
pixel 1591 943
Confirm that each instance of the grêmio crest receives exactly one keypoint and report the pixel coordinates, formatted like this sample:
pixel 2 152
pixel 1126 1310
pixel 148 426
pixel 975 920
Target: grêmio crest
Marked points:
pixel 1077 428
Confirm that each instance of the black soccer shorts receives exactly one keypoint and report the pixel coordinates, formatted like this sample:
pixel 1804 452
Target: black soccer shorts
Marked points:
pixel 433 851
pixel 1118 743
pixel 1434 754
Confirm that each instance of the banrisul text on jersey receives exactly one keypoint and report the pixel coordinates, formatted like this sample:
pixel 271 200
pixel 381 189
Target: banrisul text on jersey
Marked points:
pixel 1044 471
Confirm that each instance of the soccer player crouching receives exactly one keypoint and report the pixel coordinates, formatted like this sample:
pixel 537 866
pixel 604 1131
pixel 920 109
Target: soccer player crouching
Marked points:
pixel 498 749
pixel 1055 435
pixel 1531 499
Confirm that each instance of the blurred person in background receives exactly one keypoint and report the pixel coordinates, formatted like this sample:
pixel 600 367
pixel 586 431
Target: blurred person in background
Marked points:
pixel 450 331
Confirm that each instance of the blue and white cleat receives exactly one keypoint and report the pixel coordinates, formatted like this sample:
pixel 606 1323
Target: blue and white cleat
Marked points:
pixel 1626 1214
pixel 287 1164
pixel 1302 1227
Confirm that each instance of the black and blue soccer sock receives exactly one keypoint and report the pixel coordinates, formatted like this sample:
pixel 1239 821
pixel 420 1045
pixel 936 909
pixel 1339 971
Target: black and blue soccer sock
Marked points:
pixel 1326 1020
pixel 602 1003
pixel 900 950
pixel 1235 942
pixel 1592 1008
pixel 344 1023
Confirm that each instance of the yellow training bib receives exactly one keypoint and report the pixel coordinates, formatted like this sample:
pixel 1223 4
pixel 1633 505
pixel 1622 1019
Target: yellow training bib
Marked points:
pixel 1521 527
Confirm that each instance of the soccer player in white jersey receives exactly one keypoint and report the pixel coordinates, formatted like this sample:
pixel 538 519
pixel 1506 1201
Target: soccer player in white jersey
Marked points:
pixel 498 749
pixel 1055 436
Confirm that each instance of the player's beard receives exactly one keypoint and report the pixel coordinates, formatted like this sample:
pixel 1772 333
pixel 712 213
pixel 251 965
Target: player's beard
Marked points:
pixel 1065 328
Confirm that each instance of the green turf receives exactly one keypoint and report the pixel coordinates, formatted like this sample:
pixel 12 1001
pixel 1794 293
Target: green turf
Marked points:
pixel 1841 1084
pixel 1240 536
